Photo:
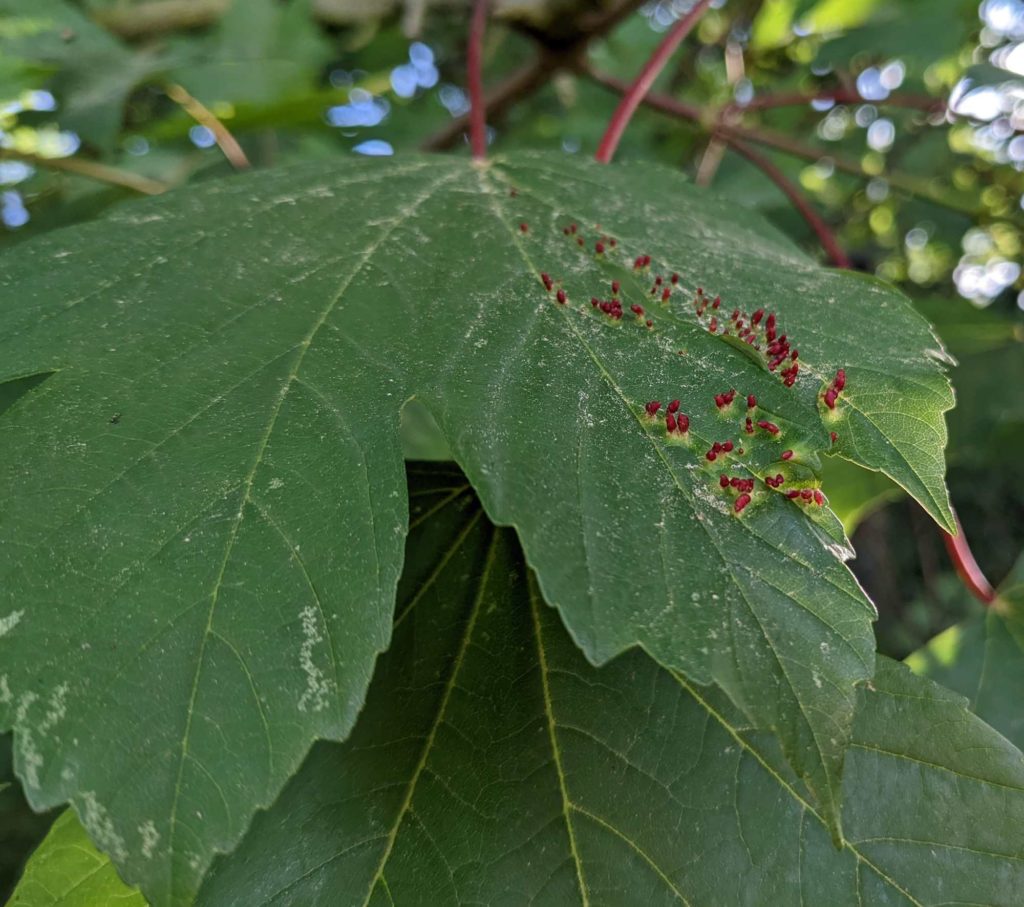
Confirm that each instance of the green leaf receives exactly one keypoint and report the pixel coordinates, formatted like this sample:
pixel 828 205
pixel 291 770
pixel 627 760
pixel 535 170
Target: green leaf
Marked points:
pixel 494 765
pixel 983 659
pixel 66 870
pixel 882 409
pixel 217 564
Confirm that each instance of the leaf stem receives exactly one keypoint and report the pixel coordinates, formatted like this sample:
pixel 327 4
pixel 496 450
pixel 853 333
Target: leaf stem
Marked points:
pixel 966 566
pixel 101 173
pixel 475 81
pixel 636 92
pixel 205 117
pixel 816 222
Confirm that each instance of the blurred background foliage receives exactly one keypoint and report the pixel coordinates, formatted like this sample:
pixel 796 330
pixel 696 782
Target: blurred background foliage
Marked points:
pixel 900 121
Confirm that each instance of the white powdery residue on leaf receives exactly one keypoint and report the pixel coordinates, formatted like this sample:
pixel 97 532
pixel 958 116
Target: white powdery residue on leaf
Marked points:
pixel 317 685
pixel 5 690
pixel 28 748
pixel 100 826
pixel 57 710
pixel 9 622
pixel 31 758
pixel 705 495
pixel 150 838
pixel 276 483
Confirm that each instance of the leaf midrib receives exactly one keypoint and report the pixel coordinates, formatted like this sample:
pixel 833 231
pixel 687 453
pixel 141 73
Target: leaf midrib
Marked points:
pixel 742 742
pixel 303 347
pixel 491 196
pixel 428 745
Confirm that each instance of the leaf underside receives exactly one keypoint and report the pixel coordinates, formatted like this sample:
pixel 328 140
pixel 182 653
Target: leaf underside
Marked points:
pixel 494 765
pixel 215 565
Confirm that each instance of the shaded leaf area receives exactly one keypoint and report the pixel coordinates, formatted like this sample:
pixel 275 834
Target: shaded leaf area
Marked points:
pixel 216 566
pixel 494 765
pixel 21 829
pixel 94 71
pixel 11 391
pixel 983 659
pixel 67 871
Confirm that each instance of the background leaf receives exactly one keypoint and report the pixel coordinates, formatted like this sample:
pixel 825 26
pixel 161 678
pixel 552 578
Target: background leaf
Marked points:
pixel 854 492
pixel 217 564
pixel 259 52
pixel 94 71
pixel 494 765
pixel 67 871
pixel 989 348
pixel 983 659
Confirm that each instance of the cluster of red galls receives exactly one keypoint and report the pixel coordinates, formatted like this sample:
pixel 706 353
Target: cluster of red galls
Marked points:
pixel 832 394
pixel 743 486
pixel 613 307
pixel 603 243
pixel 659 287
pixel 756 330
pixel 759 330
pixel 678 424
pixel 675 421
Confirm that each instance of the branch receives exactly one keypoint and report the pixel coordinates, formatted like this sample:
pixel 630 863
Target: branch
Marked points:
pixel 205 117
pixel 921 187
pixel 600 23
pixel 825 235
pixel 636 92
pixel 682 110
pixel 140 20
pixel 475 81
pixel 521 84
pixel 101 173
pixel 842 95
pixel 530 78
pixel 966 566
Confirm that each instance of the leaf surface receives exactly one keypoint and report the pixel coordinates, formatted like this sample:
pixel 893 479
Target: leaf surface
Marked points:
pixel 215 565
pixel 494 765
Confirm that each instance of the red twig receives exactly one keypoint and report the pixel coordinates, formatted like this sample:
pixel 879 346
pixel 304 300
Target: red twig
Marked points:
pixel 730 135
pixel 966 566
pixel 534 75
pixel 637 91
pixel 822 230
pixel 918 186
pixel 475 80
